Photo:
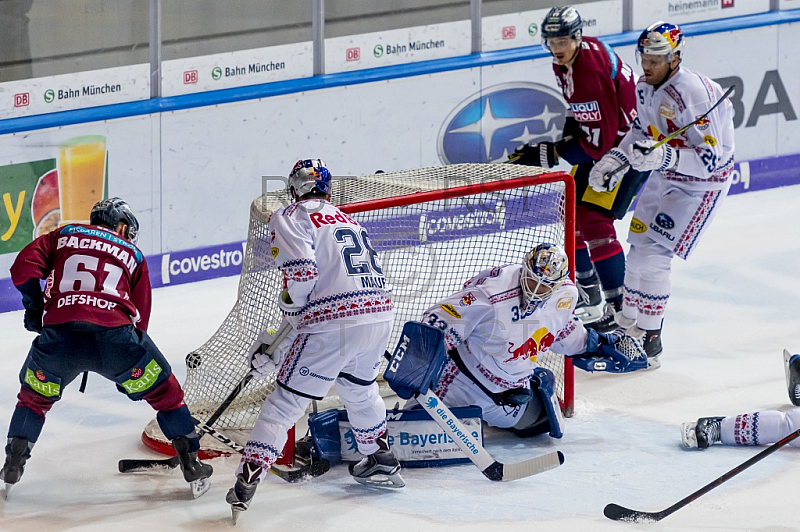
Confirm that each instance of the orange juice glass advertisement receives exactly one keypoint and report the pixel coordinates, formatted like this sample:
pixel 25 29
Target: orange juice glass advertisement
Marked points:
pixel 81 176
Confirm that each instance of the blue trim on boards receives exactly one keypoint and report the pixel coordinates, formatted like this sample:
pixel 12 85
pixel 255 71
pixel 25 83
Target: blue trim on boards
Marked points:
pixel 250 92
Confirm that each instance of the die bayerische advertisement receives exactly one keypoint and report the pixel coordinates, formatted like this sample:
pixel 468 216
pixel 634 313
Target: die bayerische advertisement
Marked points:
pixel 191 175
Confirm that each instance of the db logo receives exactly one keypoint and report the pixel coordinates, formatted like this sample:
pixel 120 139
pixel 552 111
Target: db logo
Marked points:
pixel 190 77
pixel 353 54
pixel 22 100
pixel 509 32
pixel 727 3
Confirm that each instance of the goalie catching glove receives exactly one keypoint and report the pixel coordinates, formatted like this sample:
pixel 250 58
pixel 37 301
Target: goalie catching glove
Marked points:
pixel 613 352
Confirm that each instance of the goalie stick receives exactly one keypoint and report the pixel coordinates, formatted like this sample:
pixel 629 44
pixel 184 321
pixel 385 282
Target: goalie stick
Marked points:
pixel 671 136
pixel 289 475
pixel 491 468
pixel 620 513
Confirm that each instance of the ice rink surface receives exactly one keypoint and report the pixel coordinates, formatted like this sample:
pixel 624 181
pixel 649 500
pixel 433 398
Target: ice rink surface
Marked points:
pixel 735 306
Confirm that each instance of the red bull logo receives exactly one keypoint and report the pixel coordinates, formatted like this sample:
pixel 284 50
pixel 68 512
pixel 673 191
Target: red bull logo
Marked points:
pixel 674 36
pixel 703 123
pixel 467 300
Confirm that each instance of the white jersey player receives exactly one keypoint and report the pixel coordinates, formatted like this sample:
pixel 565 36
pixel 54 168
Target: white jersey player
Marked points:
pixel 754 428
pixel 337 300
pixel 691 175
pixel 494 329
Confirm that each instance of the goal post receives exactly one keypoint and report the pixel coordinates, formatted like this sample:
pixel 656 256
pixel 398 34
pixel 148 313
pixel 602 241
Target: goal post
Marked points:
pixel 433 228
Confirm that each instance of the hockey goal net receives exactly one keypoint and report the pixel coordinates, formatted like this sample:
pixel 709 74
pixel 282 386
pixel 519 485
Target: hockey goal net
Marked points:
pixel 433 228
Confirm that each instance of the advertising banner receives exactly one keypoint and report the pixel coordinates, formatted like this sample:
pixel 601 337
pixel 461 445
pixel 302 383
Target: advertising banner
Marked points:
pixel 645 12
pixel 236 69
pixel 512 30
pixel 788 4
pixel 74 91
pixel 395 47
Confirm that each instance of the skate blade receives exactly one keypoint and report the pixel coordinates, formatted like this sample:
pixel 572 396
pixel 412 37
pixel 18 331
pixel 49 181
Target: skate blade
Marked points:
pixel 200 486
pixel 7 490
pixel 589 314
pixel 689 435
pixel 653 362
pixel 394 481
pixel 236 509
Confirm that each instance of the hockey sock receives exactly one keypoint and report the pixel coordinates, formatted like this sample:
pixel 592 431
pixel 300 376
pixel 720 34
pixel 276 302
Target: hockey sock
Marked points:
pixel 611 270
pixel 177 422
pixel 25 424
pixel 584 270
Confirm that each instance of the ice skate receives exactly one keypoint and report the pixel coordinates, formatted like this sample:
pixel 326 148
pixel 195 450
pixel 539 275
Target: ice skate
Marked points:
pixel 653 348
pixel 240 495
pixel 590 300
pixel 381 468
pixel 792 366
pixel 606 322
pixel 195 472
pixel 701 433
pixel 18 450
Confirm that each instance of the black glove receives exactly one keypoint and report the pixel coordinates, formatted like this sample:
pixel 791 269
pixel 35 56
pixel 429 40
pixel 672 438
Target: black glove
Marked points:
pixel 542 154
pixel 33 319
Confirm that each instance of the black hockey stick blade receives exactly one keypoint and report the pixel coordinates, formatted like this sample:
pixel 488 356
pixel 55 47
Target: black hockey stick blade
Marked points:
pixel 297 474
pixel 500 472
pixel 615 512
pixel 131 465
pixel 620 513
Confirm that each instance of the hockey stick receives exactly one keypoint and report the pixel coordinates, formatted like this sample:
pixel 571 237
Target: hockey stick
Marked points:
pixel 491 468
pixel 620 513
pixel 663 141
pixel 128 465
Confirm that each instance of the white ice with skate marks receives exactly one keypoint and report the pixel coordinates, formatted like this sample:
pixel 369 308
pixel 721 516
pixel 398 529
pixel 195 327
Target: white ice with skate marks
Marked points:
pixel 735 307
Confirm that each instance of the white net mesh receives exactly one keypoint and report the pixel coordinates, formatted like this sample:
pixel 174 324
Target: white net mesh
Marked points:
pixel 427 250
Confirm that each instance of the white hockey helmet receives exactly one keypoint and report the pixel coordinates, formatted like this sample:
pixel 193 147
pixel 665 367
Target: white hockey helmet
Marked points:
pixel 544 269
pixel 308 175
pixel 661 38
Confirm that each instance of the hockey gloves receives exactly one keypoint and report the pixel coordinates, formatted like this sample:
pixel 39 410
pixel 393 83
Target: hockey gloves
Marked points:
pixel 604 175
pixel 644 157
pixel 260 361
pixel 33 319
pixel 542 154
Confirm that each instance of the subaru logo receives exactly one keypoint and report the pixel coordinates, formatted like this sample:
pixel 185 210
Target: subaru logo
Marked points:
pixel 490 124
pixel 664 221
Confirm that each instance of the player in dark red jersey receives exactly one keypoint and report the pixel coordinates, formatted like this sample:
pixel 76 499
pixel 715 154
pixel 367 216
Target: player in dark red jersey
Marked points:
pixel 599 90
pixel 93 316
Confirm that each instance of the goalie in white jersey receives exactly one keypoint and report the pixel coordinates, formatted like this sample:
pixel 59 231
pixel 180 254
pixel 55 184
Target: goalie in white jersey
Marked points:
pixel 339 305
pixel 498 323
pixel 691 175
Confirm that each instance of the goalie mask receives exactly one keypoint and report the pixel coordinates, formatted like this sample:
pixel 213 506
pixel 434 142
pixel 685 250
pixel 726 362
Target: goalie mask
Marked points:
pixel 309 175
pixel 110 212
pixel 544 269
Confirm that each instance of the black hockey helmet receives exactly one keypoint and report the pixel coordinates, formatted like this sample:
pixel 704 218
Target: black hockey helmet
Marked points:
pixel 562 22
pixel 110 212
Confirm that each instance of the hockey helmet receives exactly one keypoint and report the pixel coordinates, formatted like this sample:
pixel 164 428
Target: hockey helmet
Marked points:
pixel 661 38
pixel 309 175
pixel 561 22
pixel 544 269
pixel 109 212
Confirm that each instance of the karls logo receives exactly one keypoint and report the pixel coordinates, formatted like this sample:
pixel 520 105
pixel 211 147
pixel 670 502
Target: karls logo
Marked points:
pixel 490 124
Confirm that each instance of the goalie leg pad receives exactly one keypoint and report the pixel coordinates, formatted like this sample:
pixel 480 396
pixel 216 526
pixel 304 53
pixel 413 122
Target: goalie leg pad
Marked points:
pixel 324 427
pixel 417 361
pixel 544 381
